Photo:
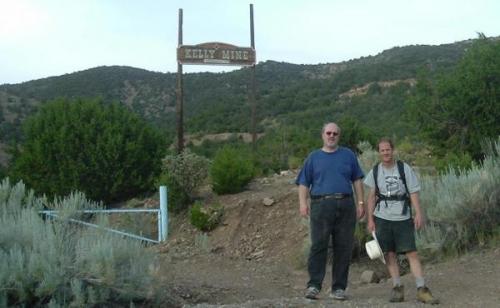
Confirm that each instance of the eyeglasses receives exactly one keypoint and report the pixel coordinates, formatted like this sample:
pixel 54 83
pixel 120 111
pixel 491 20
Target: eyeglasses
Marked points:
pixel 332 133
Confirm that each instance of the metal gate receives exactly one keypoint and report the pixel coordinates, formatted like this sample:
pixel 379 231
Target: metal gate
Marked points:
pixel 162 214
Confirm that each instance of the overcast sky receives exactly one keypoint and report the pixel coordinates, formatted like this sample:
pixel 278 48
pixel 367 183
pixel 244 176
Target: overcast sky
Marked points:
pixel 42 38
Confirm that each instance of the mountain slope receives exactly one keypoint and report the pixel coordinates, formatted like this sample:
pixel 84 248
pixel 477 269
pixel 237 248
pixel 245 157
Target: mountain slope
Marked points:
pixel 218 102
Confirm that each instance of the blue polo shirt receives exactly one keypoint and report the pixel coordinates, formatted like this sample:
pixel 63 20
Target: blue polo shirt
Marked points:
pixel 328 173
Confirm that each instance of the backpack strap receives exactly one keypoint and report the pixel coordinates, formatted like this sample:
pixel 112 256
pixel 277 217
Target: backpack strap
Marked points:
pixel 375 178
pixel 402 175
pixel 378 196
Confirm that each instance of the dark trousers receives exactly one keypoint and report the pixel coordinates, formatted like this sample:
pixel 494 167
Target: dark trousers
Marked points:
pixel 335 218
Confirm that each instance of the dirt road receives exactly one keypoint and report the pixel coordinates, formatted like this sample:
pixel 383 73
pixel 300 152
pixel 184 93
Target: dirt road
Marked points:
pixel 210 281
pixel 256 259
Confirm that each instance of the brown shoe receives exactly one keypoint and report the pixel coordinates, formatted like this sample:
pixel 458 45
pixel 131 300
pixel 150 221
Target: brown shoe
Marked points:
pixel 397 294
pixel 424 295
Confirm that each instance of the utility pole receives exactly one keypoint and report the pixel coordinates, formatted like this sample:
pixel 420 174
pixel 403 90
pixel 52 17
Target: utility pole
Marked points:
pixel 179 108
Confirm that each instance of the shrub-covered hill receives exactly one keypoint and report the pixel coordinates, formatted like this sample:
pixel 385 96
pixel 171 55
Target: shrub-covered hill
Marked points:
pixel 218 102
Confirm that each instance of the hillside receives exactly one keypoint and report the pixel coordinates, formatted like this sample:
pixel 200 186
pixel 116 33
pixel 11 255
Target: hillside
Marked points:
pixel 217 102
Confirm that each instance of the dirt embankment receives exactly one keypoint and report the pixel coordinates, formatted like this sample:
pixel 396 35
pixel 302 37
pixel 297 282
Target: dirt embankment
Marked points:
pixel 256 259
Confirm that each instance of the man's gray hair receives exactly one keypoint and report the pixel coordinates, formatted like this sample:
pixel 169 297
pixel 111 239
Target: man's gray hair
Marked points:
pixel 324 125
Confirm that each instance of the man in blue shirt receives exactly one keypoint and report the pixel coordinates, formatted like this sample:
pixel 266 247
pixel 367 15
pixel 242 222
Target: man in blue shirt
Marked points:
pixel 327 178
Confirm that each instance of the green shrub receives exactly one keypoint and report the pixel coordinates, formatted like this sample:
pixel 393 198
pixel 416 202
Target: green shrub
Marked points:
pixel 54 261
pixel 453 161
pixel 295 162
pixel 206 218
pixel 231 170
pixel 406 150
pixel 462 206
pixel 353 132
pixel 103 150
pixel 183 174
pixel 178 199
pixel 3 172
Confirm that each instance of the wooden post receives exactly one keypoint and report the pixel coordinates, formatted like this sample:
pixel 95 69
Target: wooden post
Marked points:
pixel 179 108
pixel 253 100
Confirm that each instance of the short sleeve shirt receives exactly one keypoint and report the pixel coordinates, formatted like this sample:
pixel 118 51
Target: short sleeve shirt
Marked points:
pixel 328 173
pixel 390 183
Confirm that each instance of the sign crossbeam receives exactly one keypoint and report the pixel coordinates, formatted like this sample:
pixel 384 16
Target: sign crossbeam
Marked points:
pixel 213 53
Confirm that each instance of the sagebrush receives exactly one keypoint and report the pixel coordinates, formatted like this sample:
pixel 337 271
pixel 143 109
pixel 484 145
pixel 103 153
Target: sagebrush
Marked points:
pixel 183 174
pixel 462 207
pixel 46 261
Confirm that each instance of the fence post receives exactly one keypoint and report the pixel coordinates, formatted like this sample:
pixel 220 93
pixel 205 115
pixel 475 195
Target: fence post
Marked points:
pixel 163 213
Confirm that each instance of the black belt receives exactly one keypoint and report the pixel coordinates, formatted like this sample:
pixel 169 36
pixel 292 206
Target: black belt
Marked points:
pixel 337 196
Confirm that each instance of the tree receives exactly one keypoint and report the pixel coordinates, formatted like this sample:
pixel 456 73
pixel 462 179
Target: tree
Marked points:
pixel 101 149
pixel 353 132
pixel 458 110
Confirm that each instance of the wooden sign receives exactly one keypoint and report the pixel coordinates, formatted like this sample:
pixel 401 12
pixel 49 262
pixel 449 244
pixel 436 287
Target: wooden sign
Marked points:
pixel 215 53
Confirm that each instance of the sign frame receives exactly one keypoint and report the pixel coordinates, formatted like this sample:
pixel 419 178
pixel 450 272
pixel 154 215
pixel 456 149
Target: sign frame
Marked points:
pixel 214 53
